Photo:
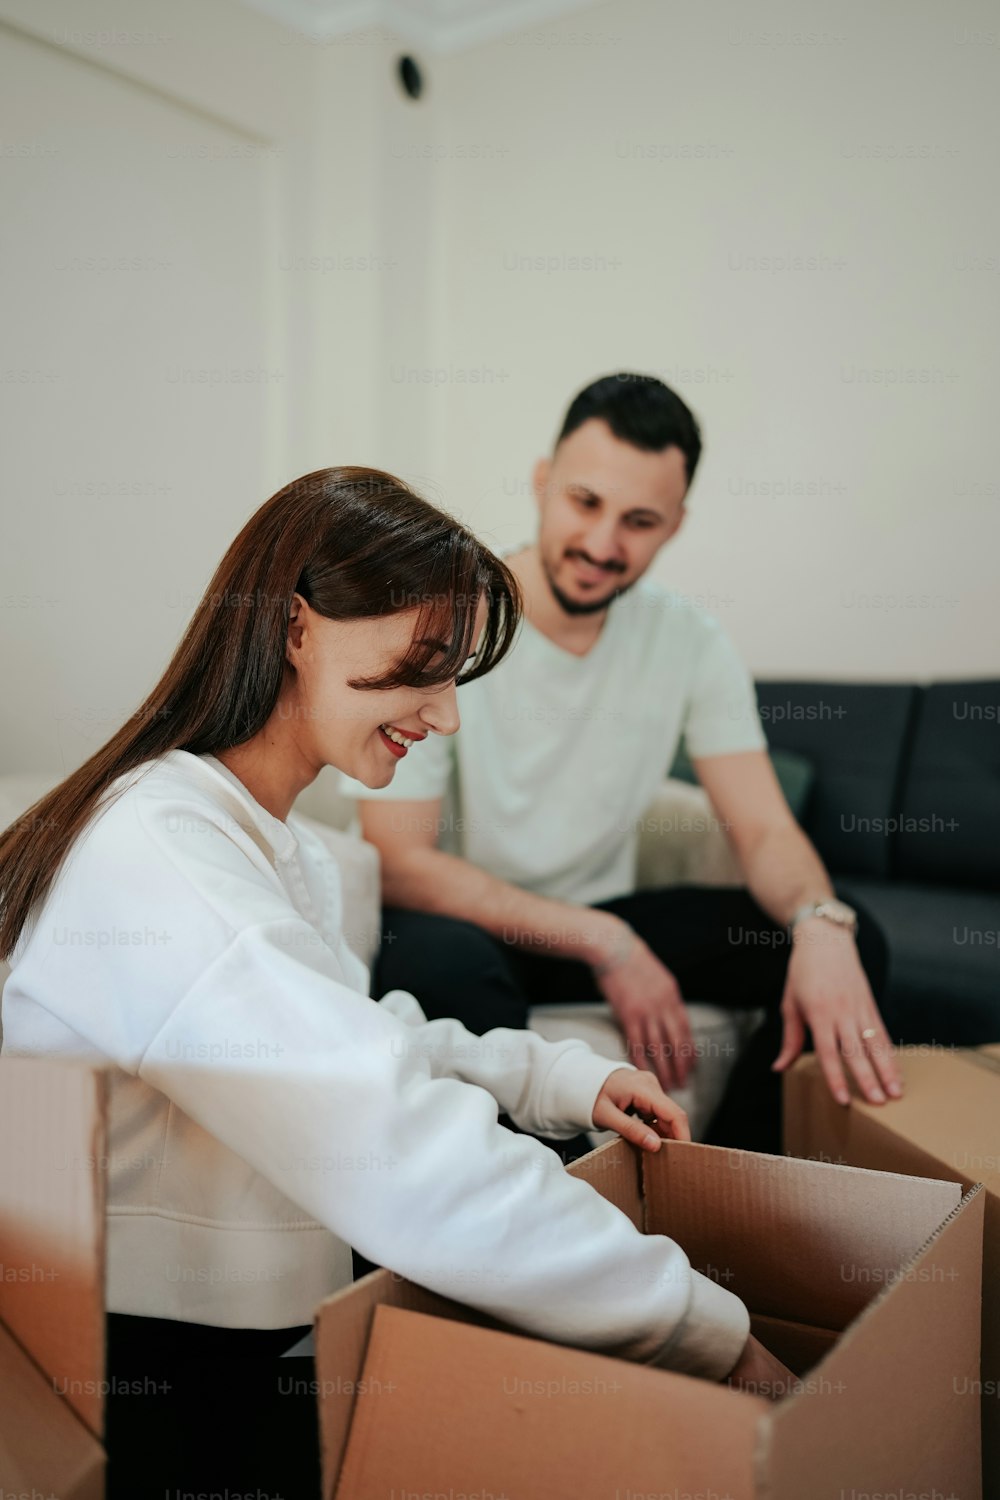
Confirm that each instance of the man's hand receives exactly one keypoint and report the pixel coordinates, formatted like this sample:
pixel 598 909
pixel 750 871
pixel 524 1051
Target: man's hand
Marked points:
pixel 631 1088
pixel 827 989
pixel 646 999
pixel 760 1373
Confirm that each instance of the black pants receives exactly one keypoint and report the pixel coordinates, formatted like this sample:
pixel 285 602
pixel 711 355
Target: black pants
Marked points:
pixel 194 1408
pixel 721 946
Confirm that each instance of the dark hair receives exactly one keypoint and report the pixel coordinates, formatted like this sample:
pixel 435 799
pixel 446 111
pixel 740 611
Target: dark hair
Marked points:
pixel 355 544
pixel 640 410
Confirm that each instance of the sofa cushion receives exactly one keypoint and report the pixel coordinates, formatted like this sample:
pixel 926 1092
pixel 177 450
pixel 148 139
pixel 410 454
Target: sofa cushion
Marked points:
pixel 718 1035
pixel 950 807
pixel 682 841
pixel 854 734
pixel 944 959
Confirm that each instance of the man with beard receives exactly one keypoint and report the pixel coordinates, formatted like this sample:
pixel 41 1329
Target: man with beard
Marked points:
pixel 508 844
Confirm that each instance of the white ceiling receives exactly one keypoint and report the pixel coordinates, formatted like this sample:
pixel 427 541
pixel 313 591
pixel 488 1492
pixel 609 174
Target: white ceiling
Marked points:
pixel 432 25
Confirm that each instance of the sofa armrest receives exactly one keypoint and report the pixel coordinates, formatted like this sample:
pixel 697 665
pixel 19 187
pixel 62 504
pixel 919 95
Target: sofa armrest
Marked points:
pixel 682 842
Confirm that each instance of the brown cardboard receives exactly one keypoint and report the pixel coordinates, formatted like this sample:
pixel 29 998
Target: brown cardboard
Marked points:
pixel 869 1281
pixel 449 1407
pixel 879 1355
pixel 946 1125
pixel 53 1131
pixel 45 1449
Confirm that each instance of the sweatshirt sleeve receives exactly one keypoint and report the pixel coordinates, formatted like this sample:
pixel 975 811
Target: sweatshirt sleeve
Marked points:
pixel 549 1088
pixel 208 984
pixel 458 1204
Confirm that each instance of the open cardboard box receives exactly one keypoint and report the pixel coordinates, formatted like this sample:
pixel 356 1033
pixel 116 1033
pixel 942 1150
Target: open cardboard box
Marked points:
pixel 947 1125
pixel 867 1284
pixel 52 1149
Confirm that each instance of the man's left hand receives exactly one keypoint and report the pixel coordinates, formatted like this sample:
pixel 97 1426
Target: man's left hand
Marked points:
pixel 827 990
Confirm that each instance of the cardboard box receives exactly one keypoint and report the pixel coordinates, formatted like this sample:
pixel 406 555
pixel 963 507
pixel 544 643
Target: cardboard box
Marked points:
pixel 52 1131
pixel 878 1347
pixel 865 1283
pixel 947 1125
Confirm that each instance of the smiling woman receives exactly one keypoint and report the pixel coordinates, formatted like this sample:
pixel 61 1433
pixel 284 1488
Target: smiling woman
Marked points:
pixel 333 632
pixel 250 1069
pixel 344 596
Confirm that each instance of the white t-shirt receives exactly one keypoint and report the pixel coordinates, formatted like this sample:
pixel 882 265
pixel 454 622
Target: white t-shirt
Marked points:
pixel 559 756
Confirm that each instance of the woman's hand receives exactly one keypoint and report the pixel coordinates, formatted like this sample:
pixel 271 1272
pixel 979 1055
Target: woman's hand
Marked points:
pixel 636 1089
pixel 760 1373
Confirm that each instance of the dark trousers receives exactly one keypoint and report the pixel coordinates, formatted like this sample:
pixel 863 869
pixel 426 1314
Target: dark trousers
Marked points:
pixel 720 945
pixel 199 1409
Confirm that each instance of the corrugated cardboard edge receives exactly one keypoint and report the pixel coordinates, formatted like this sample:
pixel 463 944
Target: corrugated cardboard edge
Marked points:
pixel 705 1198
pixel 944 1201
pixel 812 1122
pixel 767 1489
pixel 615 1171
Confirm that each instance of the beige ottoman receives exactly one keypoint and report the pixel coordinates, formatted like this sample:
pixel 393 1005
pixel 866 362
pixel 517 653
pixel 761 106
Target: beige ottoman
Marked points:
pixel 719 1036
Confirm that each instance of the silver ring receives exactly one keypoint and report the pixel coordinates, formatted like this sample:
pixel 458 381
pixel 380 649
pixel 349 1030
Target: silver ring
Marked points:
pixel 869 1032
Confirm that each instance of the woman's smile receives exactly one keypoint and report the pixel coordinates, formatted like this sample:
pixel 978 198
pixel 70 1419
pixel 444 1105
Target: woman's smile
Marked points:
pixel 397 741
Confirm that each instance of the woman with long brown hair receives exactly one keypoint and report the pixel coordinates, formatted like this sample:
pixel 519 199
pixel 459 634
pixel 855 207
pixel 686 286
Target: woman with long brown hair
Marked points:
pixel 167 914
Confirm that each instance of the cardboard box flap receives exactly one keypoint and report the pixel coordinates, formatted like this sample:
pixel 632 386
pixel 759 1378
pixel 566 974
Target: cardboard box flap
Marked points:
pixel 713 1202
pixel 895 1401
pixel 449 1408
pixel 947 1115
pixel 45 1450
pixel 945 1126
pixel 615 1171
pixel 342 1327
pixel 53 1122
pixel 439 1375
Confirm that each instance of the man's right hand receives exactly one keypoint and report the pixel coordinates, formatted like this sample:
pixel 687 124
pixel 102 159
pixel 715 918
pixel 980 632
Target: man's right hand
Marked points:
pixel 646 999
pixel 760 1373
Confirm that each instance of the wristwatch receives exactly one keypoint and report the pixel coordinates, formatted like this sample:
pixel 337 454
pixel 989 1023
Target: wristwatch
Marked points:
pixel 831 910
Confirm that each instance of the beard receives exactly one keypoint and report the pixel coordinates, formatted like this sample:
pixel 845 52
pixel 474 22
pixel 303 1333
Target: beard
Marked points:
pixel 581 606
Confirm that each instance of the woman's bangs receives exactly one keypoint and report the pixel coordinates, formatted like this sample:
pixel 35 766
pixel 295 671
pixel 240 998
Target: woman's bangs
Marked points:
pixel 452 586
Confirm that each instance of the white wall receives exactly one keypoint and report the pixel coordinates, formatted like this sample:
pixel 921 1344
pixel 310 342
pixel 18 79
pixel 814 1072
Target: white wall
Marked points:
pixel 192 308
pixel 671 144
pixel 376 258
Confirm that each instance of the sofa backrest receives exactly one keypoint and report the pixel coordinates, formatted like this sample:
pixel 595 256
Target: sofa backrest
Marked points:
pixel 855 735
pixel 949 813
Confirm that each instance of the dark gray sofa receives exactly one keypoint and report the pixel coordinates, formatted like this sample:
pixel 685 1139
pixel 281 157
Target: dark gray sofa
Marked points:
pixel 904 809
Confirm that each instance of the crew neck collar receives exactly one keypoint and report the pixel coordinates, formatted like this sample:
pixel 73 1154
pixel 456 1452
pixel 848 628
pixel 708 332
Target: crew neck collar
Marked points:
pixel 561 651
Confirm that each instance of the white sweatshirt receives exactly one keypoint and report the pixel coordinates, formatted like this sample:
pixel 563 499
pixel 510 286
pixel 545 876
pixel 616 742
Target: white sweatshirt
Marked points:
pixel 266 1114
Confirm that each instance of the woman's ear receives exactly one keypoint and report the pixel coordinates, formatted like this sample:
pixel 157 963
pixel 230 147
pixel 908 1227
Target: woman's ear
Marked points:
pixel 297 627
